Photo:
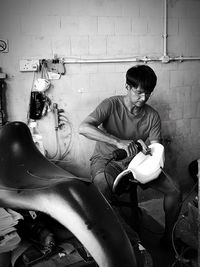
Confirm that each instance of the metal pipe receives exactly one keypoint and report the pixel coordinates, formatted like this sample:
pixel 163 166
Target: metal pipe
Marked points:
pixel 184 58
pixel 165 30
pixel 104 60
pixel 109 60
pixel 163 59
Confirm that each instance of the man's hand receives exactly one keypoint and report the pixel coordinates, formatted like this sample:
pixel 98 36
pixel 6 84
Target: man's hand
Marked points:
pixel 145 149
pixel 129 146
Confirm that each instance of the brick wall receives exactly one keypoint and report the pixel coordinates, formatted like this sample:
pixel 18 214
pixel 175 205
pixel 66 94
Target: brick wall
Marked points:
pixel 106 29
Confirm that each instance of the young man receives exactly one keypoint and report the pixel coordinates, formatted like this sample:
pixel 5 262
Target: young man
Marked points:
pixel 118 122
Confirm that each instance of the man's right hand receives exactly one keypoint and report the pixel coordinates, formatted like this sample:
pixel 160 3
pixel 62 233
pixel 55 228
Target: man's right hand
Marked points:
pixel 129 146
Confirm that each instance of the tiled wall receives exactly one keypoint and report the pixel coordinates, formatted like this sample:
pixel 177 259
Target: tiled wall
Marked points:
pixel 102 29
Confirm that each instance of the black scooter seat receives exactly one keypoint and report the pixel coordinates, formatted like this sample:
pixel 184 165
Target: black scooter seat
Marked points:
pixel 22 164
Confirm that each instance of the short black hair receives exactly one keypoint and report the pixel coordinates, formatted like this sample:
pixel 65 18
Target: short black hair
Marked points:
pixel 143 76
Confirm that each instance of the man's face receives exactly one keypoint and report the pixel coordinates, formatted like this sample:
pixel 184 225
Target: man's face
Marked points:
pixel 137 96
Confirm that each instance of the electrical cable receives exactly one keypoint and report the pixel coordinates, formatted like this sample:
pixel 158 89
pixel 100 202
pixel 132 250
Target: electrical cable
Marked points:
pixel 105 175
pixel 169 178
pixel 67 149
pixel 57 152
pixel 179 257
pixel 64 116
pixel 173 231
pixel 57 148
pixel 44 178
pixel 29 103
pixel 62 119
pixel 22 189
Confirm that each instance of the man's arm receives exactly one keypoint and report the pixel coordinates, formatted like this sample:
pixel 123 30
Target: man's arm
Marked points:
pixel 89 128
pixel 155 132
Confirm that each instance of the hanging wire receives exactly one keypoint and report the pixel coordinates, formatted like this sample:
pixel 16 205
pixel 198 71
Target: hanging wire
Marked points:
pixel 65 120
pixel 57 147
pixel 39 177
pixel 60 120
pixel 29 103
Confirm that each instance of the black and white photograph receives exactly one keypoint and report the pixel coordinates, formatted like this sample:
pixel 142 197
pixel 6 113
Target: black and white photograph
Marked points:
pixel 99 133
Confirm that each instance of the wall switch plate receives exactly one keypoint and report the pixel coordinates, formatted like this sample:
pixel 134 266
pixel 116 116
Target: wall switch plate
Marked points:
pixel 29 64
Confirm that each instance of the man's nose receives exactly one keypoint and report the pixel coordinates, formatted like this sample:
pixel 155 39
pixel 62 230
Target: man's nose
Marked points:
pixel 142 97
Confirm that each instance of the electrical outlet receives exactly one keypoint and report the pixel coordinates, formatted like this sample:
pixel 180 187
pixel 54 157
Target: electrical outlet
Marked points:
pixel 2 75
pixel 29 64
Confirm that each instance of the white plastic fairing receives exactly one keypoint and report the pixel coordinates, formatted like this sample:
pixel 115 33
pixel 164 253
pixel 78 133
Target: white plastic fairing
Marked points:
pixel 146 168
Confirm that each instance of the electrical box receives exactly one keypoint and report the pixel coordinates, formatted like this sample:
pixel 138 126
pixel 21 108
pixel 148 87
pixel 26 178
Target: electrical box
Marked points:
pixel 29 64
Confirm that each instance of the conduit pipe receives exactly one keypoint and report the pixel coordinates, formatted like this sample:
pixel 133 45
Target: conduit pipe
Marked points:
pixel 165 29
pixel 164 58
pixel 109 60
pixel 180 58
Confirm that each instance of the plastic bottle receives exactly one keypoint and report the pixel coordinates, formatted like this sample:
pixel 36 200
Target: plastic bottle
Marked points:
pixel 37 137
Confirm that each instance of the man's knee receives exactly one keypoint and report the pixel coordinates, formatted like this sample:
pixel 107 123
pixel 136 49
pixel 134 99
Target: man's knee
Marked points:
pixel 99 181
